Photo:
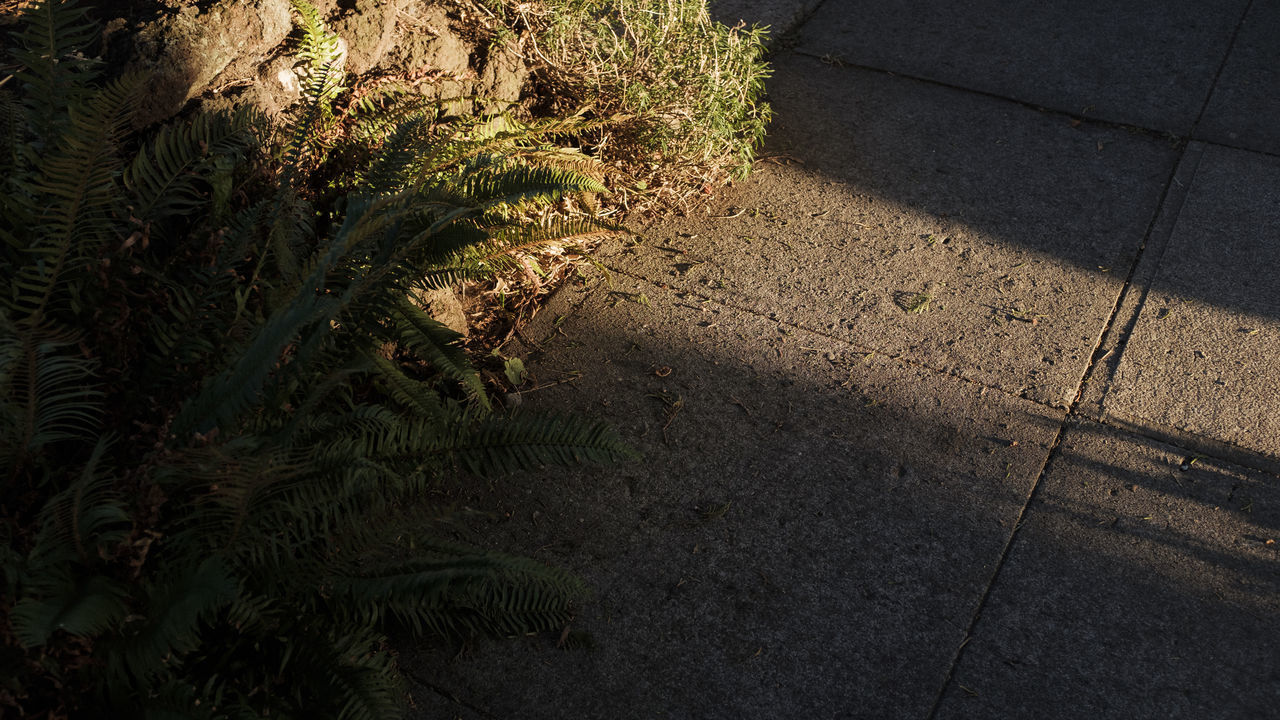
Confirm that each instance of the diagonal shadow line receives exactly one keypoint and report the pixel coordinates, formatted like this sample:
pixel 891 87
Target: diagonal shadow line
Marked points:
pixel 1055 446
pixel 1073 412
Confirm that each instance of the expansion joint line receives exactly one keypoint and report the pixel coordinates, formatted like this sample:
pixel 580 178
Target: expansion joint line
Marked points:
pixel 861 349
pixel 1073 413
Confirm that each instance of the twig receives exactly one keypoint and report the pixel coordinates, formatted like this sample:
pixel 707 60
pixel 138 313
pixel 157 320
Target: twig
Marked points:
pixel 544 386
pixel 728 217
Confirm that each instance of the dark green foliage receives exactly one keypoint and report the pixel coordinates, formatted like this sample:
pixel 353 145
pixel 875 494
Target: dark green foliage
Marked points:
pixel 219 418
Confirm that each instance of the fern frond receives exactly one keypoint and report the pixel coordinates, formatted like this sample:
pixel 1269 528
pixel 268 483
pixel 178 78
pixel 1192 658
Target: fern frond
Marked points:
pixel 77 526
pixel 525 442
pixel 47 393
pixel 317 44
pixel 166 175
pixel 55 74
pixel 439 346
pixel 84 606
pixel 84 520
pixel 170 625
pixel 311 308
pixel 345 669
pixel 497 250
pixel 79 184
pixel 414 395
pixel 524 184
pixel 398 160
pixel 321 49
pixel 305 135
pixel 12 132
pixel 450 589
pixel 208 309
pixel 233 391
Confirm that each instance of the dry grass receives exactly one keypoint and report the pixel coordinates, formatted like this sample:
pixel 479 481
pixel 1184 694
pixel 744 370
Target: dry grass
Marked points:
pixel 681 93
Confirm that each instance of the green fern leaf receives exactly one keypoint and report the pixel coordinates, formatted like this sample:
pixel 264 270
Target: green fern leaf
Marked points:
pixel 526 442
pixel 439 346
pixel 81 192
pixel 86 607
pixel 415 396
pixel 47 393
pixel 167 175
pixel 83 521
pixel 524 184
pixel 55 74
pixel 344 670
pixel 482 250
pixel 450 589
pixel 170 626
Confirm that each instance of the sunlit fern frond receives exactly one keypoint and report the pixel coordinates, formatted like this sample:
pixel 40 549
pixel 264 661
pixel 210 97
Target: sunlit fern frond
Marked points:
pixel 502 244
pixel 321 85
pixel 399 159
pixel 490 183
pixel 316 44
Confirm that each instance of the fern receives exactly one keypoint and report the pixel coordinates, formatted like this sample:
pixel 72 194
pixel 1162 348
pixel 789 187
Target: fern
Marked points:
pixel 47 394
pixel 439 346
pixel 188 598
pixel 523 443
pixel 54 73
pixel 165 176
pixel 77 525
pixel 283 406
pixel 448 588
pixel 79 181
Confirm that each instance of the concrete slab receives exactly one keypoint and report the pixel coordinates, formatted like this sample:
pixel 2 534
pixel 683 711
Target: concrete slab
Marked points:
pixel 1244 105
pixel 780 16
pixel 969 234
pixel 1134 589
pixel 808 534
pixel 1149 63
pixel 1107 357
pixel 1201 357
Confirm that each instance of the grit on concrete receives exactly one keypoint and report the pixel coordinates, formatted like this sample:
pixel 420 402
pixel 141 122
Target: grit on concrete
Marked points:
pixel 963 405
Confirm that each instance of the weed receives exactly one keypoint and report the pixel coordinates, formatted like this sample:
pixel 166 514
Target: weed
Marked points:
pixel 919 304
pixel 680 91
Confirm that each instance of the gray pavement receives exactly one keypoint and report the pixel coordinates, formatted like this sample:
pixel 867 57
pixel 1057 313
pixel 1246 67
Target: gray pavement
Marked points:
pixel 962 406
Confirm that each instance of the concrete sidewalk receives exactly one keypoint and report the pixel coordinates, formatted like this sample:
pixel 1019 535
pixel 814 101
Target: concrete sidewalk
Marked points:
pixel 964 405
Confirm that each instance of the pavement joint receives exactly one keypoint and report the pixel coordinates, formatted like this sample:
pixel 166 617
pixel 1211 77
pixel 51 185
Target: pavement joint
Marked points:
pixel 418 677
pixel 946 551
pixel 861 349
pixel 1217 75
pixel 1037 107
pixel 1181 139
pixel 1202 447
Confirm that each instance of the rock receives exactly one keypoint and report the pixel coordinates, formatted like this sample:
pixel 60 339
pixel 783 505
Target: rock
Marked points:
pixel 443 305
pixel 431 46
pixel 502 79
pixel 369 28
pixel 191 51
